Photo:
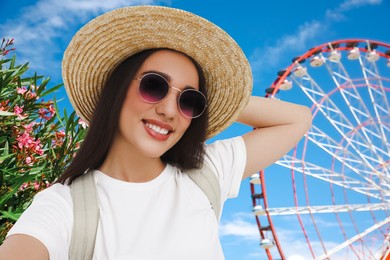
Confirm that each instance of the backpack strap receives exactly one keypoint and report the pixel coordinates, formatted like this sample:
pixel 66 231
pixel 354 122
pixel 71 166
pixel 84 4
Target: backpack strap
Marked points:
pixel 209 184
pixel 85 217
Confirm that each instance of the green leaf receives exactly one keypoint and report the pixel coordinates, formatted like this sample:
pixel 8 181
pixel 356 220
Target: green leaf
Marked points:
pixel 4 157
pixel 5 154
pixel 7 113
pixel 51 90
pixel 21 69
pixel 12 64
pixel 57 112
pixel 37 170
pixel 10 215
pixel 17 180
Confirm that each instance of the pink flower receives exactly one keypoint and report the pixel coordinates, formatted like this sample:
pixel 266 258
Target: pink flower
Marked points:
pixel 31 95
pixel 82 123
pixel 42 112
pixel 48 113
pixel 24 186
pixel 28 161
pixel 60 134
pixel 36 185
pixel 51 111
pixel 58 139
pixel 18 110
pixel 21 90
pixel 24 140
pixel 29 127
pixel 38 147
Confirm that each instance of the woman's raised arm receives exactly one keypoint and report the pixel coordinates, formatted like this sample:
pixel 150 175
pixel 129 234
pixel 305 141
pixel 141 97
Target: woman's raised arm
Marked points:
pixel 279 126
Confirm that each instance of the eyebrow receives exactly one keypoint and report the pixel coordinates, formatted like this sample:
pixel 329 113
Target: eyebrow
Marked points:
pixel 166 76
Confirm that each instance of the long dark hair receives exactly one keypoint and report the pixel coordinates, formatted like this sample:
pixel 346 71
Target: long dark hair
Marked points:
pixel 186 154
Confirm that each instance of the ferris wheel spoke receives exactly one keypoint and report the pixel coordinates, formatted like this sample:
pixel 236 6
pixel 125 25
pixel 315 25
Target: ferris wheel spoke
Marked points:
pixel 372 155
pixel 354 239
pixel 348 88
pixel 341 123
pixel 327 209
pixel 344 156
pixel 386 247
pixel 329 176
pixel 377 93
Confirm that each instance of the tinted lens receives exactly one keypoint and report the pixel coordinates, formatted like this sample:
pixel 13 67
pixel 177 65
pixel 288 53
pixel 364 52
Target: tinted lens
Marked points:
pixel 153 88
pixel 192 103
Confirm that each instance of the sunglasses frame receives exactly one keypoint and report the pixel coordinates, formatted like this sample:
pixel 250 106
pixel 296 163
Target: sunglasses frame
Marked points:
pixel 169 88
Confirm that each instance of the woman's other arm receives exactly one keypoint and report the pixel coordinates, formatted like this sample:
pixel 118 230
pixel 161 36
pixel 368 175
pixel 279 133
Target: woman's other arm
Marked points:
pixel 23 247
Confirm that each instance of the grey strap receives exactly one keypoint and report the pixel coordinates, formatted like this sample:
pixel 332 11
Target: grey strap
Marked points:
pixel 209 184
pixel 85 217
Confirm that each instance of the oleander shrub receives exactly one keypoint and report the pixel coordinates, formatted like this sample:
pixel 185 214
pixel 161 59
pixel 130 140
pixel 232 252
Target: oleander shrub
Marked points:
pixel 37 140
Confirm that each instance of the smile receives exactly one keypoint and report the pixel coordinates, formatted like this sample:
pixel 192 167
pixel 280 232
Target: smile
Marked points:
pixel 157 129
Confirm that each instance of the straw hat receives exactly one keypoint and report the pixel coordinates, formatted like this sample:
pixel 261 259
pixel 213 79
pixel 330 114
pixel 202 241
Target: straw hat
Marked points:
pixel 107 40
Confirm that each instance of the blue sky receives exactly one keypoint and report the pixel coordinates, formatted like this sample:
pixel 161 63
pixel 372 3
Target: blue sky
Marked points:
pixel 269 32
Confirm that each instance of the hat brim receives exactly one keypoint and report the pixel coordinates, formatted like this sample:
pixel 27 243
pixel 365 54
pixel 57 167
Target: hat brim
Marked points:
pixel 99 46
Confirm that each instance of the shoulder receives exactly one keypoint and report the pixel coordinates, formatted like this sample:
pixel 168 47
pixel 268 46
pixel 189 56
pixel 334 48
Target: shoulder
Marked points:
pixel 230 146
pixel 49 219
pixel 227 159
pixel 55 200
pixel 225 151
pixel 48 207
pixel 55 192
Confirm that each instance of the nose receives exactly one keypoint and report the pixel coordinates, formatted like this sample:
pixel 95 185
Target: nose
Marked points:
pixel 169 107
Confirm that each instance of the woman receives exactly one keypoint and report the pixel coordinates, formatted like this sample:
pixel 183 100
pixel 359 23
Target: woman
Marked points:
pixel 154 83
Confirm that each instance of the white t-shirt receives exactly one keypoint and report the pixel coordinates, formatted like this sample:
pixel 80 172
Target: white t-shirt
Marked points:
pixel 167 218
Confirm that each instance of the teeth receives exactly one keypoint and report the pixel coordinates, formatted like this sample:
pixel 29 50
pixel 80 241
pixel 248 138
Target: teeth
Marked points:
pixel 157 129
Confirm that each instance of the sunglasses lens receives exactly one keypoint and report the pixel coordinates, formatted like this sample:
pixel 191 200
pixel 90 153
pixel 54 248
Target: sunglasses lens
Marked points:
pixel 153 88
pixel 192 103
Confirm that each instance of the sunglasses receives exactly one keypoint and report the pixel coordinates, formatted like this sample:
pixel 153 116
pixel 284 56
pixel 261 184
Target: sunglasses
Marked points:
pixel 153 88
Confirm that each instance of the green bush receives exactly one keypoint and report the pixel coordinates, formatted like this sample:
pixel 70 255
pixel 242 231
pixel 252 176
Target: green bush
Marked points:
pixel 36 141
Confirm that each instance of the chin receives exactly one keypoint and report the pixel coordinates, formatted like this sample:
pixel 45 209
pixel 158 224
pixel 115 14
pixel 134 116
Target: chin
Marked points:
pixel 153 152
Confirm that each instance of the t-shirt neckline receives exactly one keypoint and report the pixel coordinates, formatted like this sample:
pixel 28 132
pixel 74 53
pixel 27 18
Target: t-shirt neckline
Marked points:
pixel 104 179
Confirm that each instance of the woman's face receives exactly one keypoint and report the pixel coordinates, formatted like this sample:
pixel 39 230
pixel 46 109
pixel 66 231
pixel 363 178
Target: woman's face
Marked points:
pixel 152 129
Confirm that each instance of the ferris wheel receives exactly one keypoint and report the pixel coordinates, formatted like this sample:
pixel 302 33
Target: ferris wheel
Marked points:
pixel 329 198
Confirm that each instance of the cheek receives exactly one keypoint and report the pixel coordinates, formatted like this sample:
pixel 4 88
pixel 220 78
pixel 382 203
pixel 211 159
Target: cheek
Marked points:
pixel 185 124
pixel 132 103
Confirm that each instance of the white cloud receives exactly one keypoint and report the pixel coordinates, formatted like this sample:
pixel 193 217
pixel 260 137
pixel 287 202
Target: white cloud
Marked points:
pixel 295 246
pixel 42 31
pixel 240 228
pixel 293 243
pixel 349 4
pixel 337 14
pixel 269 56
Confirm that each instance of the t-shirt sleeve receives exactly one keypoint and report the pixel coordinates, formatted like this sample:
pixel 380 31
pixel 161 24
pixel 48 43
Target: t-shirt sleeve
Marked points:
pixel 49 219
pixel 228 159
